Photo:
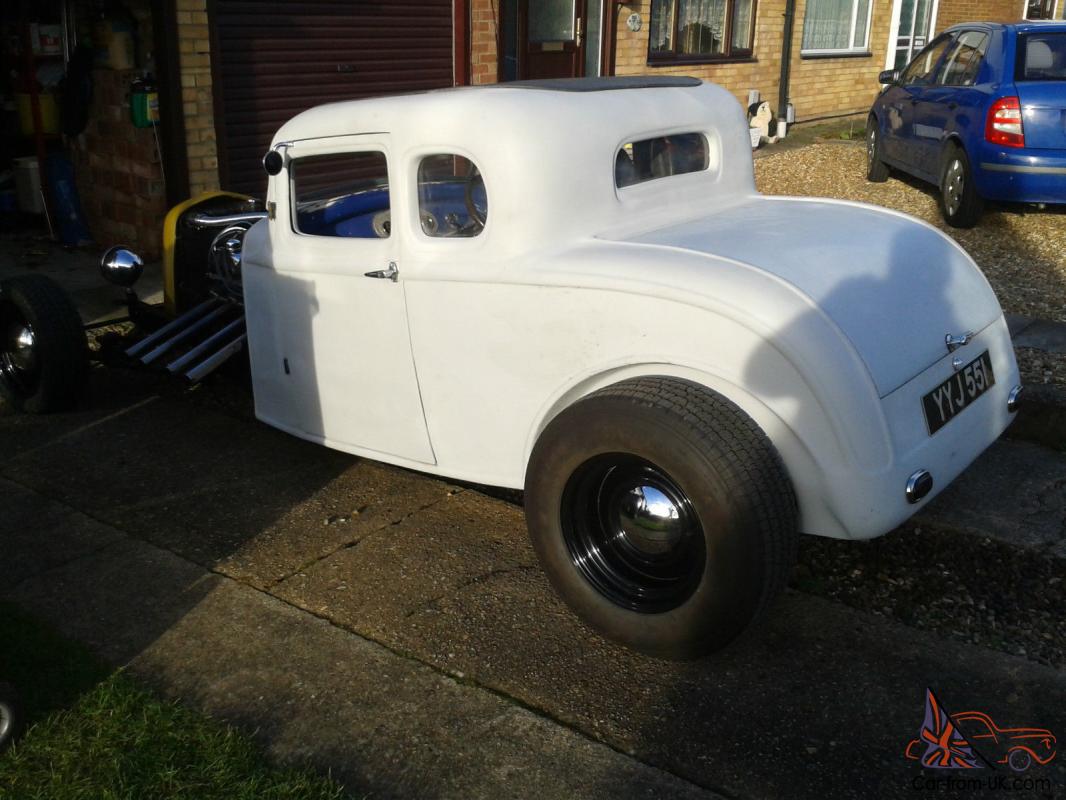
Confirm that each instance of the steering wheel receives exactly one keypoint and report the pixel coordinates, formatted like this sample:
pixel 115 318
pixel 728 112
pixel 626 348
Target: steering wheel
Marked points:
pixel 474 183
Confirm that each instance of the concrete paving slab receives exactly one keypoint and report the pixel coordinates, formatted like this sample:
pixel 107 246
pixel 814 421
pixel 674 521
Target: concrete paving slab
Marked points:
pixel 401 570
pixel 197 480
pixel 383 724
pixel 38 534
pixel 365 498
pixel 1015 492
pixel 109 393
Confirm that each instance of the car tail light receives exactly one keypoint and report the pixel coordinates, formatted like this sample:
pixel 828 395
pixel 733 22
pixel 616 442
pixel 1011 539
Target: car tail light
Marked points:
pixel 1004 124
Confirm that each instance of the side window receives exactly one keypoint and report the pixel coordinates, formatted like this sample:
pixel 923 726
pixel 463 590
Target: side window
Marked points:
pixel 660 157
pixel 341 194
pixel 451 196
pixel 920 71
pixel 962 63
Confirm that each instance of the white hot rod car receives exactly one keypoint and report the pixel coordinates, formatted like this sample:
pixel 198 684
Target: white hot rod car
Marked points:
pixel 573 288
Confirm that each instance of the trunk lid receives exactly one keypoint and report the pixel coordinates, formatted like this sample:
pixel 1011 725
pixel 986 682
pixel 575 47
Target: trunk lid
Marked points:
pixel 894 286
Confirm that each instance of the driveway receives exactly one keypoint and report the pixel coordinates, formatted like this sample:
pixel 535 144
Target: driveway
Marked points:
pixel 395 629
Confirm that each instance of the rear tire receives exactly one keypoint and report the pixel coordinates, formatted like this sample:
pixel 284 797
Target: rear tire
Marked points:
pixel 960 203
pixel 662 515
pixel 876 169
pixel 44 356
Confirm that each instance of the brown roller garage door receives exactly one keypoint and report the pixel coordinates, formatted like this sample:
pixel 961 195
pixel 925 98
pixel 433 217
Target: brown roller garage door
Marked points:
pixel 275 58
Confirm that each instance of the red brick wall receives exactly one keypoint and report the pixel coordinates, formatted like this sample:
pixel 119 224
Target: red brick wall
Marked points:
pixel 117 170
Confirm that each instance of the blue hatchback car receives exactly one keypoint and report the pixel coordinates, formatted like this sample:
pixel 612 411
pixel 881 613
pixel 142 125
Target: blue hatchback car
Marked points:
pixel 980 113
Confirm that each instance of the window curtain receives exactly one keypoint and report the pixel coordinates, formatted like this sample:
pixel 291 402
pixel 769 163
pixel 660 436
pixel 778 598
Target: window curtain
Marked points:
pixel 742 24
pixel 827 25
pixel 701 26
pixel 662 26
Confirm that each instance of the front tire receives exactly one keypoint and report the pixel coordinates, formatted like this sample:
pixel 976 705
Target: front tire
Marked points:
pixel 44 356
pixel 11 717
pixel 960 204
pixel 662 515
pixel 876 169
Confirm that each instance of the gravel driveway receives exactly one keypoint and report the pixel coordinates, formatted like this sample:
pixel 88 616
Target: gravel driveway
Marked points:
pixel 1022 251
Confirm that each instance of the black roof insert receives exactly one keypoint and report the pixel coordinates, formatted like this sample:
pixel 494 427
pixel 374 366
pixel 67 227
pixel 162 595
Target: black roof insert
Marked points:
pixel 602 84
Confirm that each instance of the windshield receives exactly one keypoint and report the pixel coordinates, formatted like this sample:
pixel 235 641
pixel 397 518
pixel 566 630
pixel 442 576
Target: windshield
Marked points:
pixel 1041 57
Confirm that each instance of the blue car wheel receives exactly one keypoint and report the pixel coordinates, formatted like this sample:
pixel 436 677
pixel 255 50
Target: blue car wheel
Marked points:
pixel 876 169
pixel 960 203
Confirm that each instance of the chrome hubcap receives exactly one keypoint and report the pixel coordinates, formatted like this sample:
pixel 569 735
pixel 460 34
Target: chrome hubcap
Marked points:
pixel 649 520
pixel 953 186
pixel 18 352
pixel 23 352
pixel 632 533
pixel 871 146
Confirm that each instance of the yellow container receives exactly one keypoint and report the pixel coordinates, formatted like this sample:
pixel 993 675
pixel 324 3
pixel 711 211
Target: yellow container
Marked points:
pixel 49 112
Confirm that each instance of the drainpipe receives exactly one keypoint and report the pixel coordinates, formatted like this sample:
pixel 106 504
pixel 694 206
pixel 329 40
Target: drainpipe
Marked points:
pixel 786 59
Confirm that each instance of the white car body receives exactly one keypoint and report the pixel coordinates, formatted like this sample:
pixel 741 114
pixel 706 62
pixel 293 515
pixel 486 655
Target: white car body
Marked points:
pixel 825 321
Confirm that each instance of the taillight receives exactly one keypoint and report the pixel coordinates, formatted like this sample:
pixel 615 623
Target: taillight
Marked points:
pixel 1004 124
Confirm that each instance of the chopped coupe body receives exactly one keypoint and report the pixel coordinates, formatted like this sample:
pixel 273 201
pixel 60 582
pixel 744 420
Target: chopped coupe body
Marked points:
pixel 573 288
pixel 824 321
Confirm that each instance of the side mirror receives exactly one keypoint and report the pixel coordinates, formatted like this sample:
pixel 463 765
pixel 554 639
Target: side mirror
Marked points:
pixel 888 76
pixel 273 162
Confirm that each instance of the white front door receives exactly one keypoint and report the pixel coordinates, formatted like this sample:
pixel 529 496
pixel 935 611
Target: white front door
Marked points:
pixel 331 352
pixel 913 24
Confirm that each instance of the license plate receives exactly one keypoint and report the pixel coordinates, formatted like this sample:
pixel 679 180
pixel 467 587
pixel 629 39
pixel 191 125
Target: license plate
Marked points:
pixel 956 394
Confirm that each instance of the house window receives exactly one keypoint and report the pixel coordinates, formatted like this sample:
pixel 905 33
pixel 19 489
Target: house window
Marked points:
pixel 700 30
pixel 836 26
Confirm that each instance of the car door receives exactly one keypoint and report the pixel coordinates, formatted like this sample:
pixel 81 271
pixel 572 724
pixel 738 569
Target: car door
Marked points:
pixel 905 135
pixel 951 104
pixel 329 342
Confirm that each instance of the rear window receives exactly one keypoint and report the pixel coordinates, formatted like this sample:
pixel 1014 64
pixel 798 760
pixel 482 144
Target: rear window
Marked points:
pixel 1041 57
pixel 660 157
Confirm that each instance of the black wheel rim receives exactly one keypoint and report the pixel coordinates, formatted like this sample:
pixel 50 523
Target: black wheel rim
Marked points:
pixel 19 357
pixel 632 533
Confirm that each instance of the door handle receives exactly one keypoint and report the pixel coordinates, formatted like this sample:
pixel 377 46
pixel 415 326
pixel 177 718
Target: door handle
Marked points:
pixel 952 106
pixel 391 273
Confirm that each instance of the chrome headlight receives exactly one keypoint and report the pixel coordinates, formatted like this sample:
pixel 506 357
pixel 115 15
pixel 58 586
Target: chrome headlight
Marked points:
pixel 121 266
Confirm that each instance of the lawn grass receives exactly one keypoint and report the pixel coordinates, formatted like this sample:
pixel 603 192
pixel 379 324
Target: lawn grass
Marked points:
pixel 95 733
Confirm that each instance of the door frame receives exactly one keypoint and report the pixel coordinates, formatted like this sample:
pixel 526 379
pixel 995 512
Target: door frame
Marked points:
pixel 1054 10
pixel 608 18
pixel 893 30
